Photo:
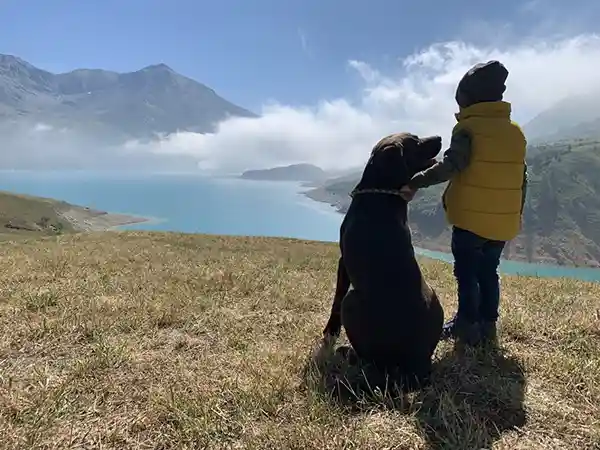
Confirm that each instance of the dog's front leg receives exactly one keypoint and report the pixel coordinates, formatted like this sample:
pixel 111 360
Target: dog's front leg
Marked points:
pixel 334 324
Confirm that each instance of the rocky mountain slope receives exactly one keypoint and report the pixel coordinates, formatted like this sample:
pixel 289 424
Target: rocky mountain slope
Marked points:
pixel 108 104
pixel 574 117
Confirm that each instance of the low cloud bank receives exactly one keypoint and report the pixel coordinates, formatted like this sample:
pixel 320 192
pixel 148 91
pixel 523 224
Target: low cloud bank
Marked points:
pixel 418 98
pixel 337 133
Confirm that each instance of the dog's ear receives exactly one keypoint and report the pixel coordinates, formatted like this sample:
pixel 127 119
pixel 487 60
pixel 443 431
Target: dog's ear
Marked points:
pixel 429 147
pixel 398 141
pixel 387 167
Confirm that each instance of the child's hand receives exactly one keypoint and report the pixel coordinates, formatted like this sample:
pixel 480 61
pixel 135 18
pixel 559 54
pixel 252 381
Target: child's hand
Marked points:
pixel 407 193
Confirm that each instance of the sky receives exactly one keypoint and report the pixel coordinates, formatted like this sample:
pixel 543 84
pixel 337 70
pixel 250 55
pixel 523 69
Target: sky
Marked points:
pixel 328 77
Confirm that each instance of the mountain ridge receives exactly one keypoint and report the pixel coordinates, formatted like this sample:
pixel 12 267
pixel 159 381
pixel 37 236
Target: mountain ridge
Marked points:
pixel 292 172
pixel 572 117
pixel 138 104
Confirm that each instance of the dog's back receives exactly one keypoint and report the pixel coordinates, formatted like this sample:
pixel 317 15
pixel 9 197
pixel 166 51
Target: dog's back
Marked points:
pixel 376 247
pixel 379 258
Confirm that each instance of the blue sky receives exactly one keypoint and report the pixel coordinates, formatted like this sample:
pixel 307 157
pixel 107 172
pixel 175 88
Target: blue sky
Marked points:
pixel 294 51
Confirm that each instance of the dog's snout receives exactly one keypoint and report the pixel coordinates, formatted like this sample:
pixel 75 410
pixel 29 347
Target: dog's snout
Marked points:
pixel 430 146
pixel 434 141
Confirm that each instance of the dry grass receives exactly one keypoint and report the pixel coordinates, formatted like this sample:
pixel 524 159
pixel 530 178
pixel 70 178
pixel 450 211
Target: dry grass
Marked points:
pixel 156 341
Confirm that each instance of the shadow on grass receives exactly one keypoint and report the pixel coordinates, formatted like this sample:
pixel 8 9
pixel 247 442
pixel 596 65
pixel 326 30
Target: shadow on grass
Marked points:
pixel 474 396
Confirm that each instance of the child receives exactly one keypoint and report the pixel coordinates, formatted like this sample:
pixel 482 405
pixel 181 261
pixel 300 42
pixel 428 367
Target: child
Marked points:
pixel 487 174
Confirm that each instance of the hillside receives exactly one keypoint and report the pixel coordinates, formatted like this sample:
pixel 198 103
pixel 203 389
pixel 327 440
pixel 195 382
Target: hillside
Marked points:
pixel 562 213
pixel 576 116
pixel 135 340
pixel 109 105
pixel 293 172
pixel 24 216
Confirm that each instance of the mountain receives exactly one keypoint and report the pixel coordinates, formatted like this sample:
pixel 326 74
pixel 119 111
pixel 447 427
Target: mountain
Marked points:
pixel 111 105
pixel 573 117
pixel 294 172
pixel 561 223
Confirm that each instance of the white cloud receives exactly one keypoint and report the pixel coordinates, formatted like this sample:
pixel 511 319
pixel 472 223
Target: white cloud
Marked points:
pixel 41 127
pixel 42 146
pixel 420 99
pixel 338 133
pixel 304 42
pixel 530 6
pixel 368 73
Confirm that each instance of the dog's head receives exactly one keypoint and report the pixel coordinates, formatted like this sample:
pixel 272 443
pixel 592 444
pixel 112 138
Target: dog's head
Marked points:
pixel 396 158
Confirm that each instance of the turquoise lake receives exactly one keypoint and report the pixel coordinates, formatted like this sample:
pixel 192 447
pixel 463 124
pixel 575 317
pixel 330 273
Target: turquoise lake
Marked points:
pixel 193 204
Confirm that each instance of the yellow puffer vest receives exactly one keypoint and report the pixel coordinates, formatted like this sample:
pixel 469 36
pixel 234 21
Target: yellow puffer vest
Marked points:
pixel 485 198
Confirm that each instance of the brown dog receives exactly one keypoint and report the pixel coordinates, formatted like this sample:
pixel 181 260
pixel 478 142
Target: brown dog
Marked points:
pixel 392 317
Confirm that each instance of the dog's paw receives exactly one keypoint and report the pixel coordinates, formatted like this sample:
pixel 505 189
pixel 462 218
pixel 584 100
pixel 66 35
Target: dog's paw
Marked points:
pixel 333 328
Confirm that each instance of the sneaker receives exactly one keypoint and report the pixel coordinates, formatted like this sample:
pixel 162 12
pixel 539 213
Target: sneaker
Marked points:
pixel 489 333
pixel 468 333
pixel 449 329
pixel 460 330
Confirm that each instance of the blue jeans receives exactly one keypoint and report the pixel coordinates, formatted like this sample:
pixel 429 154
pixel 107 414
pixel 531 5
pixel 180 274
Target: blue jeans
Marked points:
pixel 476 261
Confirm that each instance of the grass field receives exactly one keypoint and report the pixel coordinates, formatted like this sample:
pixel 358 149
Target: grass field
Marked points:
pixel 163 341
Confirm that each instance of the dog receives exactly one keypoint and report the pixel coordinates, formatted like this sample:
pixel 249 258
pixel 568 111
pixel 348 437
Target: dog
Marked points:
pixel 392 317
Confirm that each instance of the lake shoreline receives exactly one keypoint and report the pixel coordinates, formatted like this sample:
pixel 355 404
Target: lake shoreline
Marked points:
pixel 442 251
pixel 84 219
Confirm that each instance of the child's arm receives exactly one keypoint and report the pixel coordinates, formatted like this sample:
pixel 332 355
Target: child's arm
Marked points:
pixel 456 159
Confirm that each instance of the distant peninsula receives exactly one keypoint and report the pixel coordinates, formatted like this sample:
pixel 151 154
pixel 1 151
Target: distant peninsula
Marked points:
pixel 28 216
pixel 294 172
